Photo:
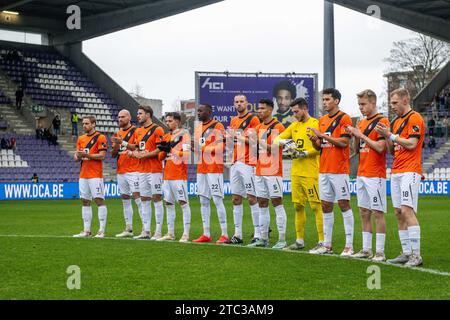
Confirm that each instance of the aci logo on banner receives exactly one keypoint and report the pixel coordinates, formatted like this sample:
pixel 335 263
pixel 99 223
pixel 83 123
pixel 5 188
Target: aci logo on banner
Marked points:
pixel 212 85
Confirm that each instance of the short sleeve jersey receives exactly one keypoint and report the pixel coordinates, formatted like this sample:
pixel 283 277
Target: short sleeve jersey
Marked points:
pixel 241 125
pixel 209 141
pixel 269 164
pixel 334 159
pixel 125 164
pixel 146 139
pixel 371 163
pixel 411 125
pixel 176 162
pixel 92 144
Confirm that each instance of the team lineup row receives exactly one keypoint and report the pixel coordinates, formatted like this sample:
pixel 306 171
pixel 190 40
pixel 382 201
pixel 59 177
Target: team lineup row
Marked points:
pixel 152 167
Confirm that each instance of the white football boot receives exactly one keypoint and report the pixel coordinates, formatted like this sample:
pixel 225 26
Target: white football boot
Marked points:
pixel 184 238
pixel 82 234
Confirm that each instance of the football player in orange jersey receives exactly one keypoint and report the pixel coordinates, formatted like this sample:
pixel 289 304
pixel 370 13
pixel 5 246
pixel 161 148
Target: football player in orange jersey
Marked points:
pixel 242 171
pixel 209 149
pixel 405 141
pixel 269 175
pixel 150 176
pixel 334 169
pixel 371 178
pixel 91 151
pixel 176 148
pixel 127 172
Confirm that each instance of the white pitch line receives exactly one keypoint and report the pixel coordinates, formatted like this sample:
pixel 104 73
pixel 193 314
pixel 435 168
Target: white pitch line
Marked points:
pixel 425 270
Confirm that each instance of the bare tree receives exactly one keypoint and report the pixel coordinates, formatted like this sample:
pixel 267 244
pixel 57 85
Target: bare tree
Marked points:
pixel 137 90
pixel 421 54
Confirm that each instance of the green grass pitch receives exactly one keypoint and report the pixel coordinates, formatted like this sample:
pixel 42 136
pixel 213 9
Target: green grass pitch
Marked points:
pixel 36 250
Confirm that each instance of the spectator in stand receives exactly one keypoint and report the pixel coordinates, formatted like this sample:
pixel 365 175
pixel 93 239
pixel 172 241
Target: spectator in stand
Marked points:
pixel 12 142
pixel 56 125
pixel 23 81
pixel 438 131
pixel 442 102
pixel 431 123
pixel 3 143
pixel 445 125
pixel 431 142
pixel 19 97
pixel 74 120
pixel 447 100
pixel 47 135
pixel 35 178
pixel 40 132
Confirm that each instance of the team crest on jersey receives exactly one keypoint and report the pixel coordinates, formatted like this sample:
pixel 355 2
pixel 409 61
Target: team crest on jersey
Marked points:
pixel 416 128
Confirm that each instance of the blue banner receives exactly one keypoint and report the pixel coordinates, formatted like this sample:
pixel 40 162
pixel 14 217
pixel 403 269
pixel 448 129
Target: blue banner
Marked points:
pixel 219 91
pixel 49 191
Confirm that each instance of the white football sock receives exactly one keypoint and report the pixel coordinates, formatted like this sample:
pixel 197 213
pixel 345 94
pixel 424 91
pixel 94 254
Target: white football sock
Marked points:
pixel 281 222
pixel 159 216
pixel 238 212
pixel 367 240
pixel 86 213
pixel 102 214
pixel 205 210
pixel 221 214
pixel 255 218
pixel 328 222
pixel 404 241
pixel 138 202
pixel 186 218
pixel 170 218
pixel 349 223
pixel 264 222
pixel 128 212
pixel 414 239
pixel 380 239
pixel 146 215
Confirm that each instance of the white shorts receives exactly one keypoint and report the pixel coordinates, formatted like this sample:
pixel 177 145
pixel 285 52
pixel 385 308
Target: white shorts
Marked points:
pixel 128 183
pixel 405 189
pixel 242 179
pixel 269 187
pixel 175 190
pixel 333 187
pixel 91 188
pixel 210 184
pixel 150 184
pixel 371 193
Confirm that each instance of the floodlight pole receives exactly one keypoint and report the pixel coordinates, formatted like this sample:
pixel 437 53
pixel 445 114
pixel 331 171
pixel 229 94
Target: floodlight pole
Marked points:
pixel 329 79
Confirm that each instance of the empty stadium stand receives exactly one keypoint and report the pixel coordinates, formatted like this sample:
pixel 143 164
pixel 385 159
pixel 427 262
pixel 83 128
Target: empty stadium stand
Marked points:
pixel 52 81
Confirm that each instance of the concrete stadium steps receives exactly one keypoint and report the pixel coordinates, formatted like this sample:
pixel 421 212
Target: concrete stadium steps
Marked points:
pixel 436 156
pixel 17 123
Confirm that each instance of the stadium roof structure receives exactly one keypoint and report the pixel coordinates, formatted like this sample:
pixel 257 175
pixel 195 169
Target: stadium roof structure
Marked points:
pixel 430 17
pixel 98 17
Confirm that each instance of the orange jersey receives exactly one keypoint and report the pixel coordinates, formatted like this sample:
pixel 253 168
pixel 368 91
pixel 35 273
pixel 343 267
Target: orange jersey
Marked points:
pixel 241 150
pixel 176 162
pixel 334 159
pixel 411 125
pixel 371 163
pixel 209 146
pixel 269 164
pixel 146 139
pixel 92 144
pixel 126 164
